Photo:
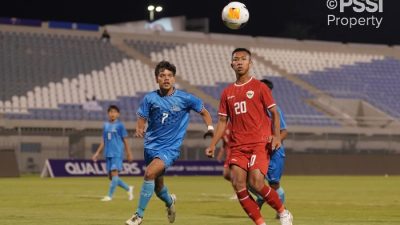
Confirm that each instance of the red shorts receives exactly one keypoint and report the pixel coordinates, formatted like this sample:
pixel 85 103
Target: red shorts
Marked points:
pixel 252 159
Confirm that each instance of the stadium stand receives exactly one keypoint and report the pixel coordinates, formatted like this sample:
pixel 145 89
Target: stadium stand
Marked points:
pixel 56 85
pixel 72 71
pixel 375 82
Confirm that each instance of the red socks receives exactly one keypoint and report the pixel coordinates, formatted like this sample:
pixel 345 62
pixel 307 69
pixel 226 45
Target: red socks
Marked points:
pixel 272 198
pixel 250 206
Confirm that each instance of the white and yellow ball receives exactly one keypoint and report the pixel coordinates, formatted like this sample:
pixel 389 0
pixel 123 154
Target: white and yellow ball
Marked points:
pixel 235 15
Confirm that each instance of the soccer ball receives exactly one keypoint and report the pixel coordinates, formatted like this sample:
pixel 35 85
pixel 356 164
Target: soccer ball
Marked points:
pixel 235 15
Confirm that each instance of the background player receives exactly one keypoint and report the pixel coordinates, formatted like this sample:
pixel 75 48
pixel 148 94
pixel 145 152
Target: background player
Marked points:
pixel 114 141
pixel 167 113
pixel 245 103
pixel 277 157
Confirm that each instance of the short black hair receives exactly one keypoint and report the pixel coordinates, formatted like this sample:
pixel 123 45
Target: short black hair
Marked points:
pixel 165 65
pixel 111 107
pixel 268 83
pixel 241 50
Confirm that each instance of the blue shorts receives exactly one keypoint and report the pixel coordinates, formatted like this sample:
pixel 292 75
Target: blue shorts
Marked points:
pixel 276 166
pixel 167 156
pixel 114 163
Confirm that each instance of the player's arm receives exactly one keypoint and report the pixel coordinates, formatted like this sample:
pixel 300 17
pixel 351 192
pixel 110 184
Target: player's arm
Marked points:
pixel 219 132
pixel 140 125
pixel 98 151
pixel 128 152
pixel 276 137
pixel 208 121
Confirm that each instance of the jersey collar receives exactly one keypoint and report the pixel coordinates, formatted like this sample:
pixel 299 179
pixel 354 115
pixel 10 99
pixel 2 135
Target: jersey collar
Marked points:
pixel 238 85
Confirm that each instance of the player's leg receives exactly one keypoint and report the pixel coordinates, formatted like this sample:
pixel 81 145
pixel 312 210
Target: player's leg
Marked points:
pixel 169 199
pixel 120 182
pixel 239 183
pixel 257 169
pixel 256 182
pixel 153 170
pixel 226 173
pixel 162 191
pixel 113 176
pixel 275 172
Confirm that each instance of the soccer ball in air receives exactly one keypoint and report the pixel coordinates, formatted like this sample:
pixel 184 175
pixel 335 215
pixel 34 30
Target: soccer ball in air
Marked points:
pixel 235 15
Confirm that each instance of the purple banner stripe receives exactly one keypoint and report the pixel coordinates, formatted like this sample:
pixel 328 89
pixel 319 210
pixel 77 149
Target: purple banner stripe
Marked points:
pixel 71 168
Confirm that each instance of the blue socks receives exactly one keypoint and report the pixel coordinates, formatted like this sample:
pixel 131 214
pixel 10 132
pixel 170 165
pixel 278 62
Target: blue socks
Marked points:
pixel 281 194
pixel 145 196
pixel 113 185
pixel 123 184
pixel 165 196
pixel 116 181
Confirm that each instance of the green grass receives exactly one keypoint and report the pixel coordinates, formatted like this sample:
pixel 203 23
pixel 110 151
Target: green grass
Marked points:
pixel 313 200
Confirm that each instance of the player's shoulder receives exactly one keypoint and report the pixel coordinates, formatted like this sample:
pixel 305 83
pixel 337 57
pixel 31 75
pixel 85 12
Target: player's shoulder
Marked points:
pixel 179 92
pixel 230 87
pixel 183 94
pixel 150 96
pixel 257 82
pixel 120 123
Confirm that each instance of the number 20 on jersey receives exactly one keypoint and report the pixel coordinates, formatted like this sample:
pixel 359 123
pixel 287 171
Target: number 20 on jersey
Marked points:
pixel 240 107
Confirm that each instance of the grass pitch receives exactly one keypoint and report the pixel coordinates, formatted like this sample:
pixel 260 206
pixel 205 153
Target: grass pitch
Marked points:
pixel 313 200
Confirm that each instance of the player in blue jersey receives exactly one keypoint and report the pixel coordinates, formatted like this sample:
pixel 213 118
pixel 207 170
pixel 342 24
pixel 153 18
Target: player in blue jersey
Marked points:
pixel 166 112
pixel 277 158
pixel 114 144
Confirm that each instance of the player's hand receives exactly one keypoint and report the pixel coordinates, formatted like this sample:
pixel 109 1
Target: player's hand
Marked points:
pixel 276 142
pixel 139 133
pixel 209 133
pixel 94 157
pixel 210 151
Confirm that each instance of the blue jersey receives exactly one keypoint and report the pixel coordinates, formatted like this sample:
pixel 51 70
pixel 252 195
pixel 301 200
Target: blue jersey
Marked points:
pixel 113 135
pixel 283 126
pixel 167 118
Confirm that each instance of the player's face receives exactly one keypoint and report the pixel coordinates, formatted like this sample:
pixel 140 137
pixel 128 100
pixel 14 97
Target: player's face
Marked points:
pixel 165 79
pixel 241 63
pixel 113 115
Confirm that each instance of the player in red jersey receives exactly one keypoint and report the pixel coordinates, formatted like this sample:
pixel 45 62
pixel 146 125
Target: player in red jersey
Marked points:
pixel 245 103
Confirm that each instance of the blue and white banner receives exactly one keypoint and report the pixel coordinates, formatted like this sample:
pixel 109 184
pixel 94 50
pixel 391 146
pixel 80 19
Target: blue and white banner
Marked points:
pixel 80 168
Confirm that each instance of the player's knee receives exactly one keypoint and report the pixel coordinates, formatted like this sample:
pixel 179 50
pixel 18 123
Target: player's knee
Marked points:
pixel 149 175
pixel 256 184
pixel 238 185
pixel 227 175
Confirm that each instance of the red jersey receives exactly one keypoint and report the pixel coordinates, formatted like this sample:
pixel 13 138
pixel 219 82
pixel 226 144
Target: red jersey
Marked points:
pixel 246 106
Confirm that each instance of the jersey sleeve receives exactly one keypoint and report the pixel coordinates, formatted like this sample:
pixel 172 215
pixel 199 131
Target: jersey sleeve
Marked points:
pixel 266 97
pixel 195 103
pixel 122 131
pixel 144 108
pixel 223 107
pixel 282 119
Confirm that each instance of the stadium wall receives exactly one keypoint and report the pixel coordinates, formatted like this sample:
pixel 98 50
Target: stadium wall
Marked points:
pixel 342 164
